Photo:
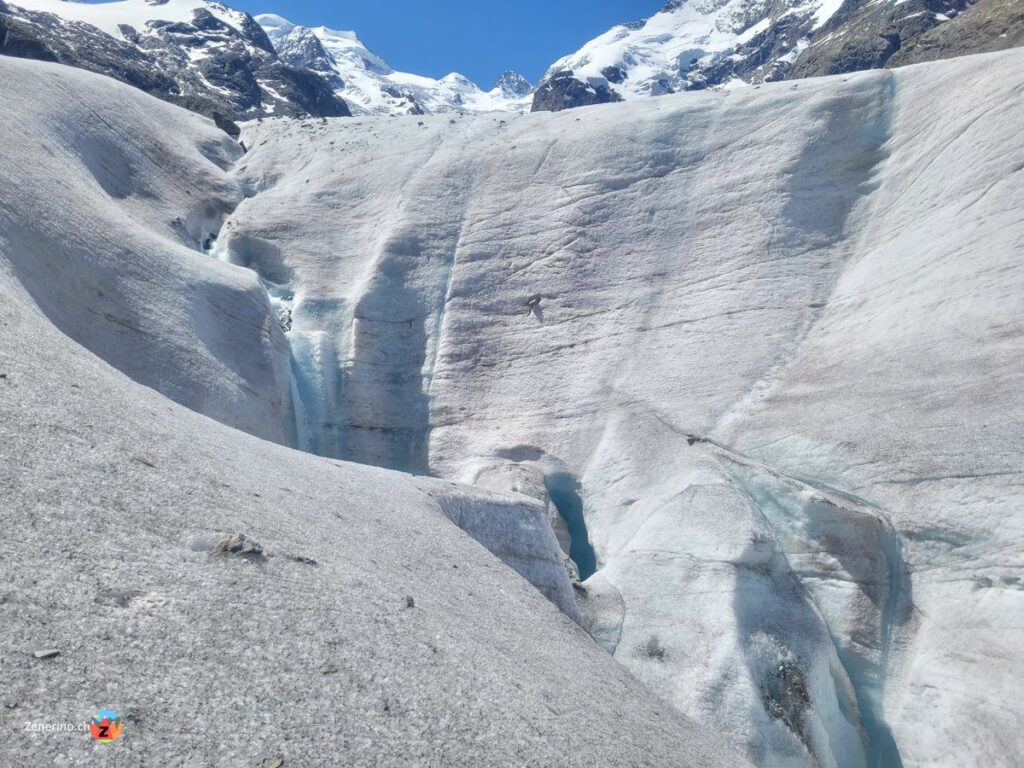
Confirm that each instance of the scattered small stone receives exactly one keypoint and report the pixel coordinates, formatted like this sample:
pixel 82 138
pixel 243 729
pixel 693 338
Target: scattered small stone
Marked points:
pixel 409 602
pixel 3 375
pixel 272 762
pixel 144 460
pixel 786 696
pixel 238 545
pixel 47 653
pixel 328 669
pixel 304 560
pixel 10 704
pixel 652 649
pixel 284 318
pixel 116 598
pixel 578 586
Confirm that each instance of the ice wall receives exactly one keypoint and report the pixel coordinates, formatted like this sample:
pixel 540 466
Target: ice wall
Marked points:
pixel 103 223
pixel 369 631
pixel 121 232
pixel 809 277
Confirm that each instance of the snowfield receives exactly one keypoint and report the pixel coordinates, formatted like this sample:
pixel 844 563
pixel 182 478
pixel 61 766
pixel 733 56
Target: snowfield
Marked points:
pixel 756 355
pixel 353 624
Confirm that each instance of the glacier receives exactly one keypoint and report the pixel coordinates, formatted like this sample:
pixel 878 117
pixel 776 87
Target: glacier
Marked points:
pixel 750 360
pixel 237 601
pixel 773 339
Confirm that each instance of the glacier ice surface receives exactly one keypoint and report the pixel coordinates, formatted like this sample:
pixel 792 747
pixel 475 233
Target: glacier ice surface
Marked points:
pixel 773 335
pixel 773 338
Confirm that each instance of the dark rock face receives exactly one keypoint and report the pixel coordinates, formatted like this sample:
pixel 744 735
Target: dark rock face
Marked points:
pixel 44 36
pixel 412 106
pixel 205 65
pixel 786 697
pixel 563 91
pixel 615 75
pixel 988 25
pixel 866 35
pixel 513 85
pixel 14 42
pixel 301 48
pixel 304 88
pixel 762 59
pixel 254 33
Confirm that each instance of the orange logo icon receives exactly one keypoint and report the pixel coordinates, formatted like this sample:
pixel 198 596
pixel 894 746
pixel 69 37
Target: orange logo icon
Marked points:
pixel 106 726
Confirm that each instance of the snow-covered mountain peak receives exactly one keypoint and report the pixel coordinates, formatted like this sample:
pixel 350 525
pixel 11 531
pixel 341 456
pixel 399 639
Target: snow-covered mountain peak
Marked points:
pixel 300 47
pixel 369 85
pixel 513 85
pixel 687 44
pixel 694 44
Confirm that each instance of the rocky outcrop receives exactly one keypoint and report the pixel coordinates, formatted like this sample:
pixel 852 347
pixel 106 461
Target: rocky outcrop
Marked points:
pixel 866 35
pixel 208 65
pixel 564 91
pixel 765 57
pixel 988 25
pixel 300 47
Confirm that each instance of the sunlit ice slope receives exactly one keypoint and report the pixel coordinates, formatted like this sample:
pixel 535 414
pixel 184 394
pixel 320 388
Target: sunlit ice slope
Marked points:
pixel 763 349
pixel 236 600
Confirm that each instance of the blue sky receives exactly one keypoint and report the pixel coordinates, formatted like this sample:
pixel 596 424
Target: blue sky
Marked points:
pixel 479 38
